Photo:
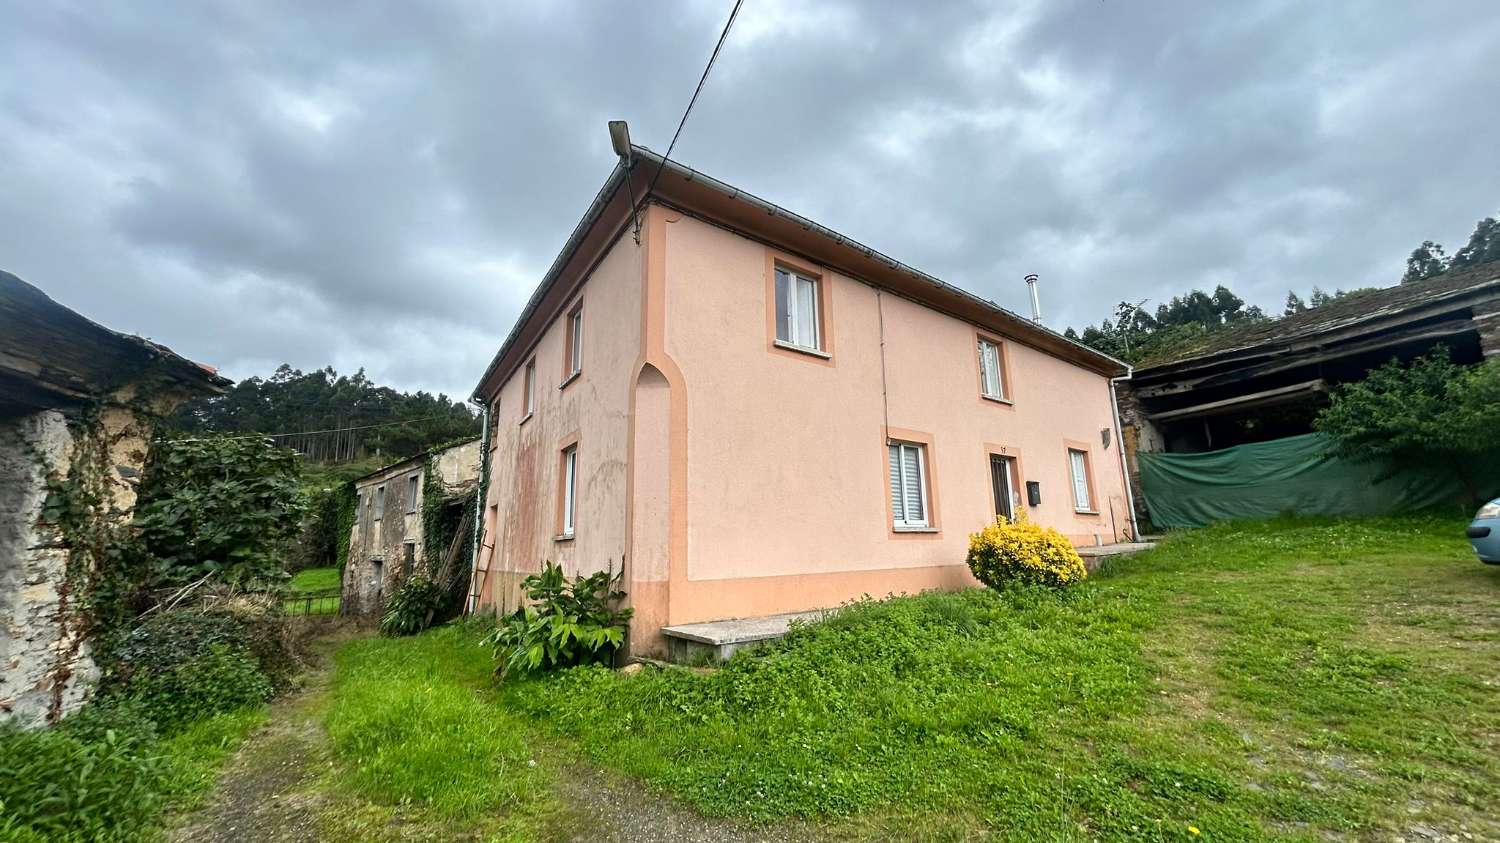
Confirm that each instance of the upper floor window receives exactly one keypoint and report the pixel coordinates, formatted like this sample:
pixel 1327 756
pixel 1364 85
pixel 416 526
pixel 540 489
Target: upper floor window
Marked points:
pixel 379 502
pixel 797 318
pixel 575 342
pixel 530 389
pixel 1078 468
pixel 908 475
pixel 991 373
pixel 412 483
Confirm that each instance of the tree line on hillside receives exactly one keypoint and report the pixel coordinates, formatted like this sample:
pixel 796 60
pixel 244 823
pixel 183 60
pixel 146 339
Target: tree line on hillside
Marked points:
pixel 1134 334
pixel 328 417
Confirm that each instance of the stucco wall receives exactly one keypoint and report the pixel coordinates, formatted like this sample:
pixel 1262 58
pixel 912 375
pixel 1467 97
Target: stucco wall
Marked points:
pixel 786 461
pixel 593 410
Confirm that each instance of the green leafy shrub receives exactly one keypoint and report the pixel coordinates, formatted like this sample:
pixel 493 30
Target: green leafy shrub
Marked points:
pixel 566 624
pixel 1023 552
pixel 63 784
pixel 105 775
pixel 1428 415
pixel 226 507
pixel 411 608
pixel 184 664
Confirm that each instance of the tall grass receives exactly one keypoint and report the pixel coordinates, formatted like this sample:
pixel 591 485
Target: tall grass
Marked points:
pixel 1290 680
pixel 411 722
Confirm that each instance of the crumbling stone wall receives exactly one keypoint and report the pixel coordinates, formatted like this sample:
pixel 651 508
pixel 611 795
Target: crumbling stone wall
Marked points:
pixel 1141 436
pixel 47 668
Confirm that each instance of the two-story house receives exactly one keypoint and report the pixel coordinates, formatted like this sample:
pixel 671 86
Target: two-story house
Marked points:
pixel 750 414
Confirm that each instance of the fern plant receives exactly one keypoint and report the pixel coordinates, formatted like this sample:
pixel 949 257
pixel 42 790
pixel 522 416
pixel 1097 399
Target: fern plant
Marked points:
pixel 411 607
pixel 566 623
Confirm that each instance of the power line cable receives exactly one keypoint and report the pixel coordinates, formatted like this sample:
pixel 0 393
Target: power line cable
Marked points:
pixel 734 13
pixel 313 432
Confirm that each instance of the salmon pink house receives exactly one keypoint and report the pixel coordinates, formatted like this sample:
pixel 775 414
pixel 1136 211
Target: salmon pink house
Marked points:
pixel 749 414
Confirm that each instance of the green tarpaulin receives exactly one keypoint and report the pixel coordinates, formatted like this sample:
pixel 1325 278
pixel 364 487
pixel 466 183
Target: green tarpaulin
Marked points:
pixel 1267 479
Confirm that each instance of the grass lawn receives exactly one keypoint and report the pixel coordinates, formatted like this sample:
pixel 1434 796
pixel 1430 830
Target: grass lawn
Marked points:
pixel 311 581
pixel 1304 680
pixel 1288 680
pixel 314 579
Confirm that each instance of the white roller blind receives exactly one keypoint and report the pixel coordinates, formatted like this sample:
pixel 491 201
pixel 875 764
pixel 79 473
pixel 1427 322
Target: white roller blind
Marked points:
pixel 1080 471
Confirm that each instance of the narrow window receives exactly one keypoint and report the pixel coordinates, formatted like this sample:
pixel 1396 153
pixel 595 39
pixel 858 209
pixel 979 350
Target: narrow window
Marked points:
pixel 408 559
pixel 379 502
pixel 992 385
pixel 1078 465
pixel 908 464
pixel 570 488
pixel 1003 481
pixel 411 493
pixel 797 310
pixel 575 341
pixel 531 387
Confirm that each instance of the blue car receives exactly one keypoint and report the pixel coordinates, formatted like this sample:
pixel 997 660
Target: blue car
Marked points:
pixel 1484 532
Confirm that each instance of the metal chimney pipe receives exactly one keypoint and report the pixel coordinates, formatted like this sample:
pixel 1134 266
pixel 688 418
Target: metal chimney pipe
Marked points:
pixel 1036 303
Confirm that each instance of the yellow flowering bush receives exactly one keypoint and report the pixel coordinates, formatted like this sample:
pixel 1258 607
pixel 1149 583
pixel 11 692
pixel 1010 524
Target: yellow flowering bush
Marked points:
pixel 1023 552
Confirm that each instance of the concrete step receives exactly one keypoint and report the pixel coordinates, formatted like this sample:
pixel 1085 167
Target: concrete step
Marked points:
pixel 692 643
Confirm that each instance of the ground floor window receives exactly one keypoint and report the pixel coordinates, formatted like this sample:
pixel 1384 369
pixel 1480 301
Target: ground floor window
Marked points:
pixel 570 488
pixel 908 475
pixel 1078 467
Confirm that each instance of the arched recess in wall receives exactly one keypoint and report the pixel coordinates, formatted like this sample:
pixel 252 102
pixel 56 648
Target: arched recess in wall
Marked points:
pixel 650 476
pixel 649 564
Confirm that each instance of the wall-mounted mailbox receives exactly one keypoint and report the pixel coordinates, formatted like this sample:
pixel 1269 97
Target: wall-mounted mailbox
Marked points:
pixel 1033 493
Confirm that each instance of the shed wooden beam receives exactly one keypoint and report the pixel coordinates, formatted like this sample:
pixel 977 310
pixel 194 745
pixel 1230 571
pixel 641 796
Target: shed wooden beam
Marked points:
pixel 1255 400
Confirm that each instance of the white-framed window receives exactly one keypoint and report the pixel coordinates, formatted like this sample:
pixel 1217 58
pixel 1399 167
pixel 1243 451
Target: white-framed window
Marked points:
pixel 570 489
pixel 379 502
pixel 991 381
pixel 530 388
pixel 412 482
pixel 797 310
pixel 908 476
pixel 1078 467
pixel 575 341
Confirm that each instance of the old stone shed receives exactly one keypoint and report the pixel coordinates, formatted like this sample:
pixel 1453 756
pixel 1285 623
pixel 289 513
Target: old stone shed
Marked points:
pixel 1268 380
pixel 387 542
pixel 77 403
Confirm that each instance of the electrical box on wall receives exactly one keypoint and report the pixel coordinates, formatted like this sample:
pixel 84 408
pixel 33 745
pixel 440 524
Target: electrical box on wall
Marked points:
pixel 1033 493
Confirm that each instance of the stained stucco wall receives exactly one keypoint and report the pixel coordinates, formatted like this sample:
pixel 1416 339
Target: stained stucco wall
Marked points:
pixel 591 410
pixel 786 460
pixel 383 539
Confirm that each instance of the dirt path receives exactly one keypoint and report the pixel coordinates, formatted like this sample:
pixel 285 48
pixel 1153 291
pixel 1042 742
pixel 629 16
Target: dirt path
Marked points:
pixel 269 792
pixel 265 793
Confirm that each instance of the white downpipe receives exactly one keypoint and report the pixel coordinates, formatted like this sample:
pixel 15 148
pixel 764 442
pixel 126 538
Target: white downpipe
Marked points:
pixel 1114 405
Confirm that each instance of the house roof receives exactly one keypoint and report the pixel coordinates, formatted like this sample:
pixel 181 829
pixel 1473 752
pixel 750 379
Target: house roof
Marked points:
pixel 1439 291
pixel 701 195
pixel 52 356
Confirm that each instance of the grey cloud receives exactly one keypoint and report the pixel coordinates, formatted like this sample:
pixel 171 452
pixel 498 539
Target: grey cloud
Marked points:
pixel 382 185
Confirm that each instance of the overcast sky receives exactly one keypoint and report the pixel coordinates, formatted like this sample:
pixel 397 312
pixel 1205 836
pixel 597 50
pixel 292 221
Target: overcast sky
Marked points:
pixel 378 185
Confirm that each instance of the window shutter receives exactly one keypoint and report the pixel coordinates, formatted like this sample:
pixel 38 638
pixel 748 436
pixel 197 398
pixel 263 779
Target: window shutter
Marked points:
pixel 898 508
pixel 912 485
